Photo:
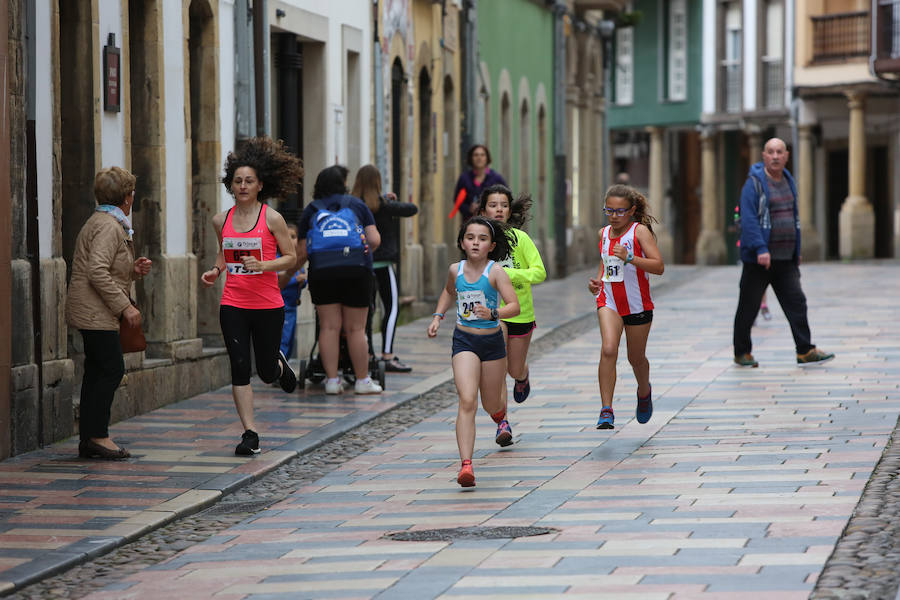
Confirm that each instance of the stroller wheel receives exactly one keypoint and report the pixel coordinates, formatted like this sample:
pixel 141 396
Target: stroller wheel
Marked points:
pixel 301 375
pixel 380 370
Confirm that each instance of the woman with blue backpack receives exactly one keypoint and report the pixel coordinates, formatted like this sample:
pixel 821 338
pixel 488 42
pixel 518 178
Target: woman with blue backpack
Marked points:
pixel 337 234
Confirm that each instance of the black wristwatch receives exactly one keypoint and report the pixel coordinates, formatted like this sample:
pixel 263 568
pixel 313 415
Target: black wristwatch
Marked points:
pixel 494 314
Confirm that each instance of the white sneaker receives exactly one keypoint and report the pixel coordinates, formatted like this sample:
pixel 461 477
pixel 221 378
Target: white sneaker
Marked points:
pixel 333 387
pixel 369 387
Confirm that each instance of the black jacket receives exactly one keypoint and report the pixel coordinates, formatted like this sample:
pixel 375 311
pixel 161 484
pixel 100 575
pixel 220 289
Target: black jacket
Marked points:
pixel 389 227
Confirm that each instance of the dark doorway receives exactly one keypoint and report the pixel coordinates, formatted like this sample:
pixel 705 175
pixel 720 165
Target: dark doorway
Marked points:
pixel 837 186
pixel 878 190
pixel 398 93
pixel 425 164
pixel 289 63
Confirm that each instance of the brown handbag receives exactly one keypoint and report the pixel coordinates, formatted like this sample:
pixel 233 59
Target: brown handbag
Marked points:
pixel 132 338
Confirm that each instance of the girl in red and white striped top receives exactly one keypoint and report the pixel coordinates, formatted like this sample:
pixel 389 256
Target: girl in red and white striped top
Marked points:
pixel 629 252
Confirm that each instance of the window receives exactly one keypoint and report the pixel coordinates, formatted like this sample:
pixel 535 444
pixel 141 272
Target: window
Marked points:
pixel 624 66
pixel 731 57
pixel 677 51
pixel 773 55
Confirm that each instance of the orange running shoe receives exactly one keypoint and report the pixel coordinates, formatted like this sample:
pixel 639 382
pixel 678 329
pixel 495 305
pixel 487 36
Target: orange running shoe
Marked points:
pixel 466 477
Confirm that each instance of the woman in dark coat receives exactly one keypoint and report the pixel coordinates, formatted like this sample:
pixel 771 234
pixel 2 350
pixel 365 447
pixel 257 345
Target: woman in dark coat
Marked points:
pixel 472 182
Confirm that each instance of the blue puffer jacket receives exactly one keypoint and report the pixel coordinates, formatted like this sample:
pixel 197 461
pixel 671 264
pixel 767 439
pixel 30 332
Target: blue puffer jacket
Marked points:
pixel 756 223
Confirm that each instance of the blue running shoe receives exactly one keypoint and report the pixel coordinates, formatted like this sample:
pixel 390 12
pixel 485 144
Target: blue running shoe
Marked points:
pixel 607 418
pixel 521 390
pixel 504 434
pixel 644 409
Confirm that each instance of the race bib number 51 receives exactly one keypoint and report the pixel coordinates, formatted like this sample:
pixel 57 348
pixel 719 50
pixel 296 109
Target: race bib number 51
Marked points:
pixel 235 248
pixel 613 268
pixel 466 302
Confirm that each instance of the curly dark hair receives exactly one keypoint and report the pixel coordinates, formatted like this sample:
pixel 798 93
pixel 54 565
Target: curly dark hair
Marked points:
pixel 278 170
pixel 498 236
pixel 519 209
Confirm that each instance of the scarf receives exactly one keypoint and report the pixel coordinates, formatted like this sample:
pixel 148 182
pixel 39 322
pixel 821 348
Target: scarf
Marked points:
pixel 120 216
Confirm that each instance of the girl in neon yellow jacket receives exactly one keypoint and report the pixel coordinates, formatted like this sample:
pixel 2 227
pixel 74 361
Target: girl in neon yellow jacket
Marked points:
pixel 525 268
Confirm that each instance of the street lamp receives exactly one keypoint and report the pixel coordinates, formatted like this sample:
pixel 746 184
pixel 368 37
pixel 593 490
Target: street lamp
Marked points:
pixel 606 28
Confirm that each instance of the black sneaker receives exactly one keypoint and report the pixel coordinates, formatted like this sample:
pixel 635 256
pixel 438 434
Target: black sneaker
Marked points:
pixel 249 444
pixel 287 380
pixel 395 366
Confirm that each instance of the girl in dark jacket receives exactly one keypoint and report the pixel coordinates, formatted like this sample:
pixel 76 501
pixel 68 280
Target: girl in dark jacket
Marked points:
pixel 386 209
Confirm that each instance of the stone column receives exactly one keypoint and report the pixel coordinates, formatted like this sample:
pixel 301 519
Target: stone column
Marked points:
pixel 811 242
pixel 754 143
pixel 711 248
pixel 857 218
pixel 656 193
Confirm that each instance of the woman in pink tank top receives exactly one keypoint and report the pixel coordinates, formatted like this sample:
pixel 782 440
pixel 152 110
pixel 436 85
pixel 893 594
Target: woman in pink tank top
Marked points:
pixel 250 235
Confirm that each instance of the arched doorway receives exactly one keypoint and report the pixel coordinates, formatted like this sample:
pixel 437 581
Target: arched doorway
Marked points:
pixel 398 129
pixel 542 195
pixel 204 100
pixel 506 137
pixel 451 166
pixel 524 148
pixel 426 169
pixel 147 149
pixel 77 158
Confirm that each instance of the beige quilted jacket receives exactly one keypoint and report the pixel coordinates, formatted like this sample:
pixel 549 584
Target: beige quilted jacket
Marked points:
pixel 102 272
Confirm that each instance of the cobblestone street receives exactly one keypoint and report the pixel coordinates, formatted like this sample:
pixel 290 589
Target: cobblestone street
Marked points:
pixel 741 485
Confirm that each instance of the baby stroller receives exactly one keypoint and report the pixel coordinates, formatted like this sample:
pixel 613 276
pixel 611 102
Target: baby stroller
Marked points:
pixel 313 369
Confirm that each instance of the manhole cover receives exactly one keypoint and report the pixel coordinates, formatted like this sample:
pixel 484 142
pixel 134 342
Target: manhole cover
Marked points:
pixel 229 508
pixel 468 533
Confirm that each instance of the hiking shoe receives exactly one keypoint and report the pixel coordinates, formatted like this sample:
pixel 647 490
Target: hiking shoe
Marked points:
pixel 287 380
pixel 504 434
pixel 747 360
pixel 368 387
pixel 644 409
pixel 607 418
pixel 334 387
pixel 764 310
pixel 521 390
pixel 814 356
pixel 395 366
pixel 249 444
pixel 466 477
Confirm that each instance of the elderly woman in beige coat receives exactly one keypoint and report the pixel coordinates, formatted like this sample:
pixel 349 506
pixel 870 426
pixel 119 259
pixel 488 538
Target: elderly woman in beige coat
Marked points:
pixel 103 268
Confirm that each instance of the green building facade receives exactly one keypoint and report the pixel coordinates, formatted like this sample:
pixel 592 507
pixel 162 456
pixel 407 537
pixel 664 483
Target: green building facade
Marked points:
pixel 515 108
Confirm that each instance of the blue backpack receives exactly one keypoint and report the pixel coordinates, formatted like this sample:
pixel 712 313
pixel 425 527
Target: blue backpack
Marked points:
pixel 336 238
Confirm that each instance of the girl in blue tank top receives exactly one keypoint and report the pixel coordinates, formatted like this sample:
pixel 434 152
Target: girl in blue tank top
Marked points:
pixel 479 351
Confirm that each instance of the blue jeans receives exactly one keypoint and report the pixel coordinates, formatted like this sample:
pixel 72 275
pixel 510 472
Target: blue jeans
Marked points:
pixel 784 277
pixel 287 332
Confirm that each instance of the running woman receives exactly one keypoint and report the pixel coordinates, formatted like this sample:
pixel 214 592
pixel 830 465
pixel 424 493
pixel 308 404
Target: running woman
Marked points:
pixel 629 252
pixel 525 268
pixel 250 235
pixel 479 352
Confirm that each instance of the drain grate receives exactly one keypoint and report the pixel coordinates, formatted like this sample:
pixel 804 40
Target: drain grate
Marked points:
pixel 230 508
pixel 467 533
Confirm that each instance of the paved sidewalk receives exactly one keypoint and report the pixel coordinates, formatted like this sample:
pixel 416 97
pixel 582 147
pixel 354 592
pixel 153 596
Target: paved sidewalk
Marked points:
pixel 738 488
pixel 57 510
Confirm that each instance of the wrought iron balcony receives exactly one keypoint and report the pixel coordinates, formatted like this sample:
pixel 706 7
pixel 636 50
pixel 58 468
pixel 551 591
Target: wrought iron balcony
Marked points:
pixel 887 45
pixel 840 36
pixel 730 93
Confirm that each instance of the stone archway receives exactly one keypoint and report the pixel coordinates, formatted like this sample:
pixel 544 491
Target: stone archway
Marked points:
pixel 78 161
pixel 203 98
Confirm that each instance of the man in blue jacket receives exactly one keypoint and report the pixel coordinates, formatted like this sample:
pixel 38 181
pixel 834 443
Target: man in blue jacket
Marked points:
pixel 770 252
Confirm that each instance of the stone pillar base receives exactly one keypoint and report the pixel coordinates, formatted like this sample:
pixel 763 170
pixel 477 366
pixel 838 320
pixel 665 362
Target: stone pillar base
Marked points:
pixel 666 244
pixel 582 241
pixel 810 243
pixel 711 248
pixel 435 271
pixel 857 228
pixel 178 350
pixel 58 421
pixel 411 271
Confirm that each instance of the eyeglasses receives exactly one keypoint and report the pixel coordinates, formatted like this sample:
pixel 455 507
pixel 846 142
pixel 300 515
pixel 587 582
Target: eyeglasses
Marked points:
pixel 619 212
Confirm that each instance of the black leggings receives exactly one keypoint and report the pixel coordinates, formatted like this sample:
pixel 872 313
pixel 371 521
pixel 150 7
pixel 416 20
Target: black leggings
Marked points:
pixel 263 326
pixel 104 367
pixel 387 289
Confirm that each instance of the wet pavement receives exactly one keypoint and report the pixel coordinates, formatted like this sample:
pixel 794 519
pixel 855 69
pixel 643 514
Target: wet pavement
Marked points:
pixel 742 483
